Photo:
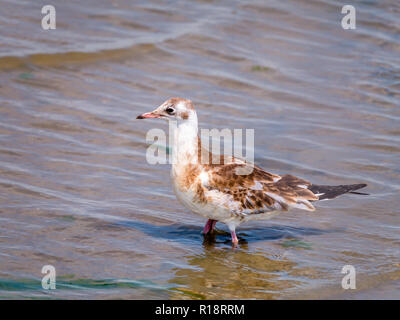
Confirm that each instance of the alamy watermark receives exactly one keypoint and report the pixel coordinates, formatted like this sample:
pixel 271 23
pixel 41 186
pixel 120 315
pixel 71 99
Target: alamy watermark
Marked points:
pixel 349 20
pixel 49 280
pixel 49 20
pixel 349 280
pixel 160 153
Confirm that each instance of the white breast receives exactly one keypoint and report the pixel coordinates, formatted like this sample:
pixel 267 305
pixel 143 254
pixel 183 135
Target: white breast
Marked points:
pixel 215 208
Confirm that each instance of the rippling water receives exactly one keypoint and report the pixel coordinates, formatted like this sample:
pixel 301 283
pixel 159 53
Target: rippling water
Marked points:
pixel 76 191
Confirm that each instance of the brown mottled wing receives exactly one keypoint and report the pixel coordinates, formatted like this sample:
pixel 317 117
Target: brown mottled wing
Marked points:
pixel 259 191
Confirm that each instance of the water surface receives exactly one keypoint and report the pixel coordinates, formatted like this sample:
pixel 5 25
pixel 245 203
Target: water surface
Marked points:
pixel 77 193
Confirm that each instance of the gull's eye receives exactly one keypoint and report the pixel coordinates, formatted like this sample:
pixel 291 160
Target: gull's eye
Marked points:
pixel 170 110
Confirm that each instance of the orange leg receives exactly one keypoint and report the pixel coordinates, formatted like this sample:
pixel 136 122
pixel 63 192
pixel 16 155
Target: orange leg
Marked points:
pixel 209 226
pixel 232 228
pixel 235 240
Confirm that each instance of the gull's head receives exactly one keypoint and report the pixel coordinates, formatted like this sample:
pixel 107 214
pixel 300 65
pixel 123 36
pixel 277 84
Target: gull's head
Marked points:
pixel 172 109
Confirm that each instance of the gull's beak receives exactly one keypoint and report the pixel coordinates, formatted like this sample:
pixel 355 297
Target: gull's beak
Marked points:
pixel 148 115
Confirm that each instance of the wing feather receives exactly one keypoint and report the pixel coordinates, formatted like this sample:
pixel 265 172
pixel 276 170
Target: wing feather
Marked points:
pixel 258 191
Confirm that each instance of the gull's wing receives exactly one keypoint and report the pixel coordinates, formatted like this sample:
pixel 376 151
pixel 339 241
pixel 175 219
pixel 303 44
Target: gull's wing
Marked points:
pixel 258 191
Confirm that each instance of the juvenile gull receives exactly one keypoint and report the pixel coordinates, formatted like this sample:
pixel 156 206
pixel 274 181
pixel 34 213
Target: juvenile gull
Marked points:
pixel 218 190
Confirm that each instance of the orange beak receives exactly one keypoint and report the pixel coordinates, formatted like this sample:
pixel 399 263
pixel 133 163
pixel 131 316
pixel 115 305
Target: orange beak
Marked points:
pixel 148 115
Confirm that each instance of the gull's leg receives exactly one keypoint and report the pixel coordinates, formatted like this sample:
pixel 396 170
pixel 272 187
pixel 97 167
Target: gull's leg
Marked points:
pixel 209 226
pixel 232 228
pixel 214 222
pixel 235 240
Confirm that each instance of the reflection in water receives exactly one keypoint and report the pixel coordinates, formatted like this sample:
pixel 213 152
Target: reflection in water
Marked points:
pixel 183 232
pixel 222 273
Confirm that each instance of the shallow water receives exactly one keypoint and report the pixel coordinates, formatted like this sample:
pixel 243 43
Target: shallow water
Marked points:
pixel 77 193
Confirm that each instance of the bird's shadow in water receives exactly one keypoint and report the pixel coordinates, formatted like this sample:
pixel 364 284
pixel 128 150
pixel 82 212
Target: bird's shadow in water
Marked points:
pixel 191 233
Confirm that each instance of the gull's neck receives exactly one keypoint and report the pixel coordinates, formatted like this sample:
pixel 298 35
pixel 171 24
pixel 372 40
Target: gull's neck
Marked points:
pixel 185 141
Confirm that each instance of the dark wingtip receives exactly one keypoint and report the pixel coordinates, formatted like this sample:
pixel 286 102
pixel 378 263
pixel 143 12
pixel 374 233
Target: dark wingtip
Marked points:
pixel 360 193
pixel 359 186
pixel 330 192
pixel 139 117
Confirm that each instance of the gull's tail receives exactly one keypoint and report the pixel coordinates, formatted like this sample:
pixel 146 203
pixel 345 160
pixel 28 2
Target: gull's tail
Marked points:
pixel 330 192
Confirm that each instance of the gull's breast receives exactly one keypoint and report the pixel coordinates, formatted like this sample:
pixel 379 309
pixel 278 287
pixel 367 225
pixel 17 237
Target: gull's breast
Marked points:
pixel 188 184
